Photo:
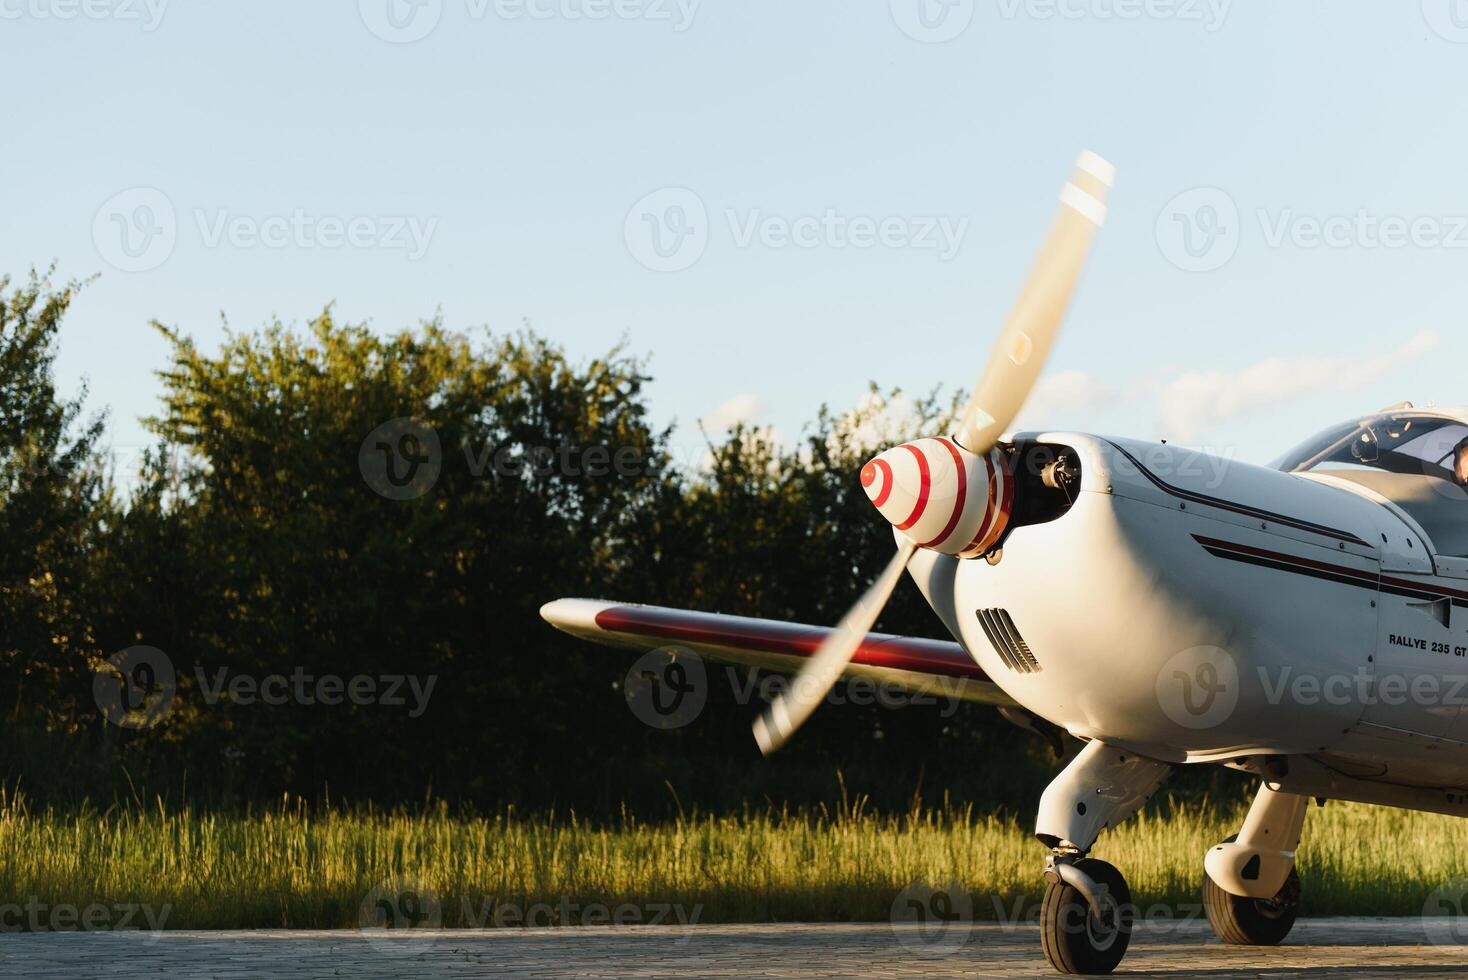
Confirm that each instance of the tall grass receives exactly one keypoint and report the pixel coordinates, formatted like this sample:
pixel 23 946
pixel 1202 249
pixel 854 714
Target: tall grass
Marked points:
pixel 289 866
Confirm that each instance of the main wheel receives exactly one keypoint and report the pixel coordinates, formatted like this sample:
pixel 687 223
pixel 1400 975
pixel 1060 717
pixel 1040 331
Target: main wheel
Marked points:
pixel 1075 939
pixel 1252 921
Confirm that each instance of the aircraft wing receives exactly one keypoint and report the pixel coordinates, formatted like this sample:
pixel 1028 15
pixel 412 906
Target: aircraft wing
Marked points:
pixel 938 667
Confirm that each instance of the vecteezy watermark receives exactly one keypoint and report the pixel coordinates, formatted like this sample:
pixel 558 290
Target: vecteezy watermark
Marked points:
pixel 666 688
pixel 928 918
pixel 1200 230
pixel 405 913
pixel 135 688
pixel 669 687
pixel 1448 19
pixel 403 459
pixel 1199 687
pixel 1362 229
pixel 34 915
pixel 299 687
pixel 300 229
pixel 932 21
pixel 832 229
pixel 1022 913
pixel 492 913
pixel 137 230
pixel 946 693
pixel 1364 687
pixel 1205 467
pixel 1210 14
pixel 1445 914
pixel 148 14
pixel 669 230
pixel 400 915
pixel 401 21
pixel 407 21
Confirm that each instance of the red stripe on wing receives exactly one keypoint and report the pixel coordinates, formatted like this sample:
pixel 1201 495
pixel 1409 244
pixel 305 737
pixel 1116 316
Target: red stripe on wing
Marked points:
pixel 792 639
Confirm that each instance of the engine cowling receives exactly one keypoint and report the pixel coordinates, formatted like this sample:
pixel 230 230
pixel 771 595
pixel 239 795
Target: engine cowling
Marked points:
pixel 942 496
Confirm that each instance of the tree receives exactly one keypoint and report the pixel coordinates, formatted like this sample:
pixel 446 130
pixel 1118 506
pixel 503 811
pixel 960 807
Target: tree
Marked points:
pixel 54 502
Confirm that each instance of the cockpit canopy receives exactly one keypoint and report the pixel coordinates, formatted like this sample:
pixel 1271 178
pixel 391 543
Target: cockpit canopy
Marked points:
pixel 1416 460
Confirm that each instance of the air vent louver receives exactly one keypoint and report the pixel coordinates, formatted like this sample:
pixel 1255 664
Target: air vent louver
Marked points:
pixel 1011 647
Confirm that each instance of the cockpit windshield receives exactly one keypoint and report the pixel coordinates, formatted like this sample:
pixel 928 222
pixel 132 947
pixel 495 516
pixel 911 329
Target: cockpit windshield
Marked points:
pixel 1397 442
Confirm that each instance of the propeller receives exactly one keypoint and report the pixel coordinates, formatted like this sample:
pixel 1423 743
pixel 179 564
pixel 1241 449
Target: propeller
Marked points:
pixel 1024 343
pixel 1014 365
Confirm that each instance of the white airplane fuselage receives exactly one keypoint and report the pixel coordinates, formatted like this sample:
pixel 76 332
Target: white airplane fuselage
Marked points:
pixel 1195 609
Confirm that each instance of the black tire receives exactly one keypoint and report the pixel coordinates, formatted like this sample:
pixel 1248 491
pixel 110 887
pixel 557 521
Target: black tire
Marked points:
pixel 1252 921
pixel 1074 942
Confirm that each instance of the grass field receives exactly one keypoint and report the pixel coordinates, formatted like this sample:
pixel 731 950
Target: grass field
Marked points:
pixel 288 867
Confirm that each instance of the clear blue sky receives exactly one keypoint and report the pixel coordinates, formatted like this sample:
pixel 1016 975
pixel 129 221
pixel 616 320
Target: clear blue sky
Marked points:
pixel 519 138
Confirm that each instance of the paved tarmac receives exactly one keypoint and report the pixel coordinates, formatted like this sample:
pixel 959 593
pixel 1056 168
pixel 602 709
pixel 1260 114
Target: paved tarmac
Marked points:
pixel 1317 948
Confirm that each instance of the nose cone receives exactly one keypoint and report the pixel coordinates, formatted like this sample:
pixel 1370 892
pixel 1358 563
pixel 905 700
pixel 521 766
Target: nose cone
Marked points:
pixel 876 479
pixel 939 495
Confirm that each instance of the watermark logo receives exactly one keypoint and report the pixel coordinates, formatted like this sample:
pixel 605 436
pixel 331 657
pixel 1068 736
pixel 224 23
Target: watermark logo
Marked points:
pixel 400 915
pixel 136 230
pixel 136 687
pixel 1209 13
pixel 1447 18
pixel 401 21
pixel 408 691
pixel 401 459
pixel 667 230
pixel 943 234
pixel 1445 914
pixel 301 229
pixel 34 915
pixel 148 13
pixel 667 688
pixel 1199 687
pixel 1199 229
pixel 930 918
pixel 1362 229
pixel 491 913
pixel 932 21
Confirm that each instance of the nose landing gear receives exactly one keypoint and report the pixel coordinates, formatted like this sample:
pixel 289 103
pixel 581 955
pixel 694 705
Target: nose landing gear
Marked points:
pixel 1086 917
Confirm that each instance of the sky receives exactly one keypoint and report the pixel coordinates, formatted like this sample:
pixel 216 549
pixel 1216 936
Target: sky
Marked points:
pixel 776 203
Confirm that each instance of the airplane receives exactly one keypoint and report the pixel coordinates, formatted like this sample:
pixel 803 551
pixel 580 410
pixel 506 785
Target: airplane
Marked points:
pixel 1297 621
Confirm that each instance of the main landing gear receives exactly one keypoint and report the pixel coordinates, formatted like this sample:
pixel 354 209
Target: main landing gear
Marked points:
pixel 1086 917
pixel 1251 891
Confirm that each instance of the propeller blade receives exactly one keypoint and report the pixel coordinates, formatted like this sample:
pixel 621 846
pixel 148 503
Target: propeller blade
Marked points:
pixel 789 711
pixel 1035 320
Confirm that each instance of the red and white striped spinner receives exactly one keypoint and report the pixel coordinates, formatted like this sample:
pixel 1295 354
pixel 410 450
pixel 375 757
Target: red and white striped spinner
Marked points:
pixel 942 496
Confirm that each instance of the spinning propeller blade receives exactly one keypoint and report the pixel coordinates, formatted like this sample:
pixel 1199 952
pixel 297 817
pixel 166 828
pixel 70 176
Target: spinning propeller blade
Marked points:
pixel 809 688
pixel 1014 364
pixel 1033 324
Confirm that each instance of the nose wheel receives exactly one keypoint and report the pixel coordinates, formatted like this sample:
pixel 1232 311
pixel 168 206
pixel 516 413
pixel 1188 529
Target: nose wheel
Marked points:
pixel 1086 917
